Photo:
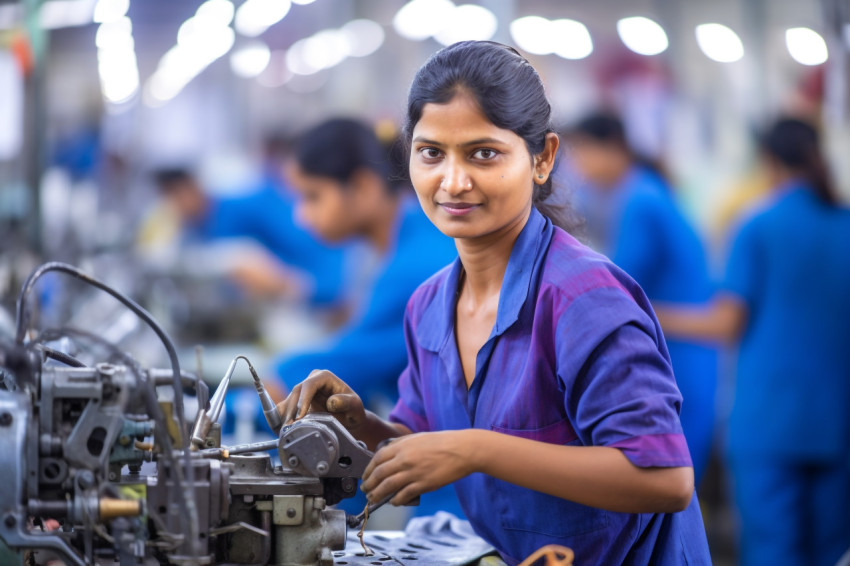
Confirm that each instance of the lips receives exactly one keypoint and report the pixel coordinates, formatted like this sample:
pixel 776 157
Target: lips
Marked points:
pixel 458 208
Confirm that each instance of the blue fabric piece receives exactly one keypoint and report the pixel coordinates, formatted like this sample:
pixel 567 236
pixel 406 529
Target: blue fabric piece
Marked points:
pixel 790 265
pixel 646 235
pixel 267 216
pixel 576 358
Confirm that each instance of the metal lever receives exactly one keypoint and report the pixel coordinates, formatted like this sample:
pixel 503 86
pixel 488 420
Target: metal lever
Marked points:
pixel 206 417
pixel 269 408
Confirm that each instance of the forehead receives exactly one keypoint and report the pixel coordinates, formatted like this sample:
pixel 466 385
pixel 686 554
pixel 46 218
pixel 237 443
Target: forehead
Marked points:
pixel 459 118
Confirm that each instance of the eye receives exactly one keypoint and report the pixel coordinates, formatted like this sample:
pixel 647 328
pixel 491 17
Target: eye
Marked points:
pixel 429 152
pixel 485 154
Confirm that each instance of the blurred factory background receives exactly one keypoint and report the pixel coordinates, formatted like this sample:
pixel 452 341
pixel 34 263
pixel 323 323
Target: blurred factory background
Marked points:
pixel 98 95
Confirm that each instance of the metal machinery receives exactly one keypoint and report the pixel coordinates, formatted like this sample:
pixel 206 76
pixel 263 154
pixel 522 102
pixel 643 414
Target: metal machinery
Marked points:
pixel 99 469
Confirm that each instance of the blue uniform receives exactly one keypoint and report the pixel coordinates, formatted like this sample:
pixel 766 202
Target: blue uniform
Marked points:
pixel 576 358
pixel 639 226
pixel 369 353
pixel 789 431
pixel 267 216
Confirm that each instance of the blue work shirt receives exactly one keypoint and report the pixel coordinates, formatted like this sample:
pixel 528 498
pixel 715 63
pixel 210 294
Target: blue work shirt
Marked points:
pixel 577 358
pixel 646 235
pixel 790 265
pixel 368 353
pixel 267 215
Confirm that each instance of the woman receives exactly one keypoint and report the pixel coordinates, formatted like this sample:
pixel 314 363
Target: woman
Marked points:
pixel 344 181
pixel 785 303
pixel 630 209
pixel 537 377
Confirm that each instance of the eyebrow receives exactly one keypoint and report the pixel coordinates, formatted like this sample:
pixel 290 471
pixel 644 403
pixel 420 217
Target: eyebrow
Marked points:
pixel 420 139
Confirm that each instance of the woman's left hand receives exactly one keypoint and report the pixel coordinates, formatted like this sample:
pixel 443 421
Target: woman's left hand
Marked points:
pixel 415 464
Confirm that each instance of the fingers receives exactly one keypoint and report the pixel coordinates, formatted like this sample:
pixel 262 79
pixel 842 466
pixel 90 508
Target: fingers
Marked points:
pixel 289 406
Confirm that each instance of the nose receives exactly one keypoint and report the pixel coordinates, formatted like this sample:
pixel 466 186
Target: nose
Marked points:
pixel 456 179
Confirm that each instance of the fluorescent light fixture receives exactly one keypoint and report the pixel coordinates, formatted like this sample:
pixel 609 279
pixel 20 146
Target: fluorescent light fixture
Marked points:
pixel 297 61
pixel 55 14
pixel 421 19
pixel 531 33
pixel 115 34
pixel 256 16
pixel 215 12
pixel 251 59
pixel 806 46
pixel 363 37
pixel 468 22
pixel 303 2
pixel 110 10
pixel 570 39
pixel 719 43
pixel 642 35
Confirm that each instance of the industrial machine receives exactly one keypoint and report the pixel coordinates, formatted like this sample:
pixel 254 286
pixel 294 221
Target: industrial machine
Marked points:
pixel 100 466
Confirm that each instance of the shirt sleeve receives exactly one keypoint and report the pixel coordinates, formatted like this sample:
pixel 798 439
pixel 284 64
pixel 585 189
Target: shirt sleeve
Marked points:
pixel 410 408
pixel 744 265
pixel 618 381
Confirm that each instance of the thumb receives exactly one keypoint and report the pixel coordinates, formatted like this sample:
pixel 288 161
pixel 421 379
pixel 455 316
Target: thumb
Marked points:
pixel 341 403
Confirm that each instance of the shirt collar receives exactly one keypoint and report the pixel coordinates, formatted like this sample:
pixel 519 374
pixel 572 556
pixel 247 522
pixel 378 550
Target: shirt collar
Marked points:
pixel 437 321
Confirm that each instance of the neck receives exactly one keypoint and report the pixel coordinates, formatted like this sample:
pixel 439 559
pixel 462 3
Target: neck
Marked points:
pixel 380 230
pixel 485 259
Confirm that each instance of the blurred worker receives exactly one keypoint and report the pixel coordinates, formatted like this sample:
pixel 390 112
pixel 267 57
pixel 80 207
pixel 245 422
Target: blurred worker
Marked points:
pixel 632 218
pixel 341 173
pixel 785 303
pixel 297 265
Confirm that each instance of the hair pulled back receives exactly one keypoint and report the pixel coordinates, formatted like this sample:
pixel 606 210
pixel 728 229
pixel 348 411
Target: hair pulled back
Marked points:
pixel 795 145
pixel 338 148
pixel 507 89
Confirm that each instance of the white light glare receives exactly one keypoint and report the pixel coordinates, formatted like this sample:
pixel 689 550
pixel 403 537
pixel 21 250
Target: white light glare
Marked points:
pixel 65 13
pixel 250 60
pixel 532 34
pixel 420 19
pixel 570 39
pixel 303 2
pixel 363 37
pixel 115 35
pixel 116 60
pixel 566 38
pixel 110 10
pixel 642 35
pixel 256 16
pixel 806 46
pixel 719 43
pixel 215 13
pixel 468 22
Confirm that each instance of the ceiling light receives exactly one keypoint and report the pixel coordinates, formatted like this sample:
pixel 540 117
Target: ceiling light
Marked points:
pixel 719 43
pixel 420 19
pixel 468 22
pixel 570 39
pixel 256 16
pixel 363 37
pixel 250 60
pixel 110 10
pixel 806 46
pixel 642 35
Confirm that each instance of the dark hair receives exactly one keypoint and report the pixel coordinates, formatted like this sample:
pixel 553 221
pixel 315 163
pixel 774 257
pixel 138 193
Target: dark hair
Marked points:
pixel 168 179
pixel 340 147
pixel 606 127
pixel 509 92
pixel 795 144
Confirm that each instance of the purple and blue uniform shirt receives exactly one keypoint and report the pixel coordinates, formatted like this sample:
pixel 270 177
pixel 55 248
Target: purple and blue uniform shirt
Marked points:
pixel 576 357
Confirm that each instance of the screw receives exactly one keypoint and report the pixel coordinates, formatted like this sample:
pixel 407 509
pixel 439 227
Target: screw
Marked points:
pixel 291 513
pixel 322 468
pixel 5 418
pixel 292 461
pixel 10 520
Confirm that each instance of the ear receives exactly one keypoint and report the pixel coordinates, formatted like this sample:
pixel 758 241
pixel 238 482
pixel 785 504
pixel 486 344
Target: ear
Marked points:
pixel 545 160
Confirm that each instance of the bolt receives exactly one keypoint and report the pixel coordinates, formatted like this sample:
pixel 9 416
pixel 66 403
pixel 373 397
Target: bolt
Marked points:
pixel 210 443
pixel 349 485
pixel 5 418
pixel 9 520
pixel 124 440
pixel 322 468
pixel 291 513
pixel 292 461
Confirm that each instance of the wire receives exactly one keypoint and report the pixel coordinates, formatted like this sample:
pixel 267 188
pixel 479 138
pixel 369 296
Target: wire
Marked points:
pixel 172 354
pixel 160 431
pixel 61 357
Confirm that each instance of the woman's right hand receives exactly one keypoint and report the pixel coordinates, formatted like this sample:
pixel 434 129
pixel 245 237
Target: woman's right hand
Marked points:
pixel 321 392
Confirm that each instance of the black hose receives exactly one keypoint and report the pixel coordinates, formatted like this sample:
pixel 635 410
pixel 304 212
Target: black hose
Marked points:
pixel 172 354
pixel 61 357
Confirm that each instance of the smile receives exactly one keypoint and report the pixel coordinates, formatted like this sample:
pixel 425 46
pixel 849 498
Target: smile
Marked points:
pixel 458 208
